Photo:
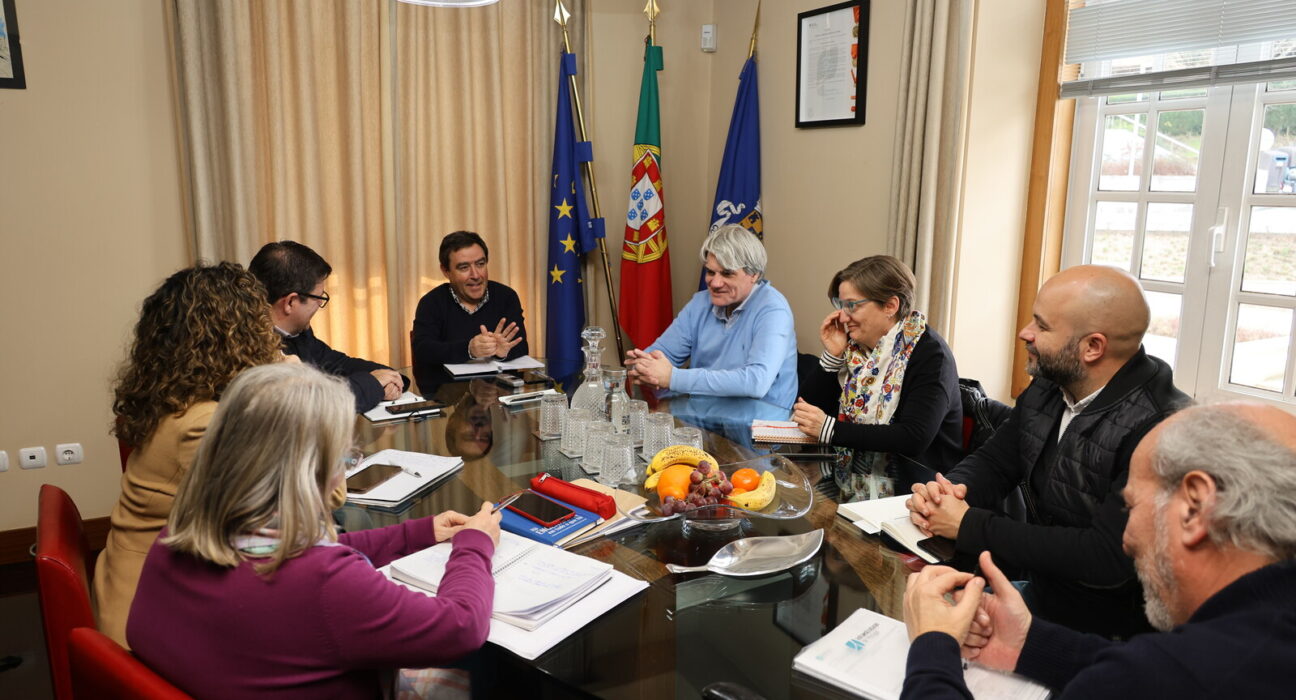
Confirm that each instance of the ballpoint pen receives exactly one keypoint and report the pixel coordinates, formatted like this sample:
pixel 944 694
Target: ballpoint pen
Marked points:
pixel 507 501
pixel 411 472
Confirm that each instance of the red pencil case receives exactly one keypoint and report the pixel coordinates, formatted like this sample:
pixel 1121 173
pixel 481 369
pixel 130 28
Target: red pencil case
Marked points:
pixel 578 496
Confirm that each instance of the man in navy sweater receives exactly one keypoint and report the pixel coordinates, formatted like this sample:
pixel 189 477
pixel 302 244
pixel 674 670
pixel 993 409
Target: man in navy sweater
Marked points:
pixel 294 276
pixel 1212 530
pixel 467 318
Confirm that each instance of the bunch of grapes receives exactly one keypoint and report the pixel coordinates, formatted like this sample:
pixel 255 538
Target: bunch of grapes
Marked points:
pixel 707 487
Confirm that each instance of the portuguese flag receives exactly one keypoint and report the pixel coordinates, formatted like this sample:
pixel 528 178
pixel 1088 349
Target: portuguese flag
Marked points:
pixel 645 306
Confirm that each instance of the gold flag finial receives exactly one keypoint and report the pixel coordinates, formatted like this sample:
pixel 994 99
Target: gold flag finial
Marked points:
pixel 751 48
pixel 560 13
pixel 652 10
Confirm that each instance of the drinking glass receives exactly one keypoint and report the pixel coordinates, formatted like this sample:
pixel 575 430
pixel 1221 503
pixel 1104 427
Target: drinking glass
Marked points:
pixel 685 435
pixel 573 435
pixel 657 433
pixel 552 408
pixel 638 418
pixel 618 460
pixel 596 438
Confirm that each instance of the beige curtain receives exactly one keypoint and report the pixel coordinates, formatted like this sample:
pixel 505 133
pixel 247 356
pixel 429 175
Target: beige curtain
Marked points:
pixel 930 146
pixel 368 130
pixel 475 98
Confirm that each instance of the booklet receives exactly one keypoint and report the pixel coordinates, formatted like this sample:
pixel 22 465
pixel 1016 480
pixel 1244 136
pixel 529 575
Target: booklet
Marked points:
pixel 421 472
pixel 889 515
pixel 492 366
pixel 558 535
pixel 625 502
pixel 533 582
pixel 866 655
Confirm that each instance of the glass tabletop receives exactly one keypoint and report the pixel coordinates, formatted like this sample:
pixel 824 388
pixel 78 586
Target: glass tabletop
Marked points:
pixel 686 631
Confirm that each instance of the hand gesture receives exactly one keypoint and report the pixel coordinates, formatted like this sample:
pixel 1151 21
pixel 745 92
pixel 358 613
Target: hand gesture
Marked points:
pixel 486 521
pixel 937 507
pixel 445 525
pixel 832 333
pixel 392 383
pixel 925 607
pixel 998 633
pixel 653 369
pixel 506 337
pixel 808 417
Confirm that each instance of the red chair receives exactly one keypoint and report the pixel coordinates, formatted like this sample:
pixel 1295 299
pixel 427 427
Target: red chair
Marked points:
pixel 103 670
pixel 63 579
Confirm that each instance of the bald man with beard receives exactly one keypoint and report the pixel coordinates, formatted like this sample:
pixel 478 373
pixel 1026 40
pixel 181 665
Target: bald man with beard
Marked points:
pixel 1068 441
pixel 1212 530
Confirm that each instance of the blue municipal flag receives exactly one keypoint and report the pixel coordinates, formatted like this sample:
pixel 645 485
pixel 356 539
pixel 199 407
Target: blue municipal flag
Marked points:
pixel 738 189
pixel 572 233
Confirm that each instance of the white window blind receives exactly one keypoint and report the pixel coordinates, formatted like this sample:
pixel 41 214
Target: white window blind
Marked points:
pixel 1142 45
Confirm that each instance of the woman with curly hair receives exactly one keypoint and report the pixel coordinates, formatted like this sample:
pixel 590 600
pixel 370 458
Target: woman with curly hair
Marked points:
pixel 203 326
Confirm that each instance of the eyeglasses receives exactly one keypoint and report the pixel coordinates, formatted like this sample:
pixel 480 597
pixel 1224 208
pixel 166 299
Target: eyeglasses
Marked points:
pixel 323 298
pixel 351 458
pixel 849 306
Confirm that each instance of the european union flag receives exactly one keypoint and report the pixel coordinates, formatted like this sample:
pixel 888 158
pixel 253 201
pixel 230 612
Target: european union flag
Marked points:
pixel 738 189
pixel 572 233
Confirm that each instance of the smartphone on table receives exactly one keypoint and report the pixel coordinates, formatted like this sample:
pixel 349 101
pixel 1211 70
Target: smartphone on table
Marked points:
pixel 428 405
pixel 371 477
pixel 540 510
pixel 940 547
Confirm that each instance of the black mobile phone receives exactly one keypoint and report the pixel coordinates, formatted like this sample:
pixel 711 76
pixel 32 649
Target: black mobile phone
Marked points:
pixel 541 510
pixel 416 406
pixel 370 477
pixel 940 547
pixel 537 376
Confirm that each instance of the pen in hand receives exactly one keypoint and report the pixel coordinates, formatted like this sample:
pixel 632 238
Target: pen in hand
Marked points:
pixel 507 501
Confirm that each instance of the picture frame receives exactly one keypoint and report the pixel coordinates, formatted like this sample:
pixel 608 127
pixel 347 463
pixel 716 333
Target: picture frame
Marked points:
pixel 832 65
pixel 12 75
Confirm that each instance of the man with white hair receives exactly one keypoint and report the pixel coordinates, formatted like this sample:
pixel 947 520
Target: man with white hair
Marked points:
pixel 737 335
pixel 1212 530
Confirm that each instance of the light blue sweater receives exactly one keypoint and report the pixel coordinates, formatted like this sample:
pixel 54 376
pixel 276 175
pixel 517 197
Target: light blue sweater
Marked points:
pixel 752 353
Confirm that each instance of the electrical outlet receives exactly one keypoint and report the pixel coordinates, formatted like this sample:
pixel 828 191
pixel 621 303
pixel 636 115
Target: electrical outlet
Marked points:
pixel 68 453
pixel 4 461
pixel 31 457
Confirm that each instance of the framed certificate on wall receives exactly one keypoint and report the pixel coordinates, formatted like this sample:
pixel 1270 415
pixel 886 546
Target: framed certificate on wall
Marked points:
pixel 832 64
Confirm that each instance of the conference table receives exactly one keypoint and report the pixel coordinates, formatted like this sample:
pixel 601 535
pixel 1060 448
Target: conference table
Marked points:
pixel 684 632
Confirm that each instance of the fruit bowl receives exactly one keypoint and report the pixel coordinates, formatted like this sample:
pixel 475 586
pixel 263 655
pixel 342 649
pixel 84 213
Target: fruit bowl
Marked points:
pixel 792 498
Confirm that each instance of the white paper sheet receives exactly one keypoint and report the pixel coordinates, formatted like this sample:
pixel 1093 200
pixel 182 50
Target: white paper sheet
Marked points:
pixel 489 366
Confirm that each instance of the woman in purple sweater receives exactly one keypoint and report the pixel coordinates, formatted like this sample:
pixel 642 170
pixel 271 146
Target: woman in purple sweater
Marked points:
pixel 248 592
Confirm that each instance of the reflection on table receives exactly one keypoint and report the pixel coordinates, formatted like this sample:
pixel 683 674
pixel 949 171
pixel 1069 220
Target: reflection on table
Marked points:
pixel 685 631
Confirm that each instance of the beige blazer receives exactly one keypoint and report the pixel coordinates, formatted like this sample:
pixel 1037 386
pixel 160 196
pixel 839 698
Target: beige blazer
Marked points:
pixel 153 473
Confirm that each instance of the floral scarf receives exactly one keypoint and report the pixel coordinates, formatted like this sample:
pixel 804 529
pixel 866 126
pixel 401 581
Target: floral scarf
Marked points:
pixel 870 395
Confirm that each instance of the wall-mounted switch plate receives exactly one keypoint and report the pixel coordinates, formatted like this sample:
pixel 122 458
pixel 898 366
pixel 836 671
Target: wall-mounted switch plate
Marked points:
pixel 31 457
pixel 4 461
pixel 709 38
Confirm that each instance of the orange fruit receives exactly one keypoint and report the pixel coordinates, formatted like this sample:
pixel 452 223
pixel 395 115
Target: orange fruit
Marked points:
pixel 674 481
pixel 737 491
pixel 745 479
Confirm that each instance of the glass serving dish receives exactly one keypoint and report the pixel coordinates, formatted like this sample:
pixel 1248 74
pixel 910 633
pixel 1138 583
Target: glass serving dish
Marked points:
pixel 792 499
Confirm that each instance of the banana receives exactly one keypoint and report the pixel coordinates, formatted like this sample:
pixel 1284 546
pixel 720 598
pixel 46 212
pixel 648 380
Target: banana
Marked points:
pixel 678 454
pixel 758 497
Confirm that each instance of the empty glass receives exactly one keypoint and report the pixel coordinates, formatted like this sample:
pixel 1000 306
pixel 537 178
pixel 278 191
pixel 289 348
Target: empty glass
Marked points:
pixel 618 460
pixel 573 434
pixel 552 410
pixel 638 417
pixel 657 433
pixel 686 435
pixel 597 434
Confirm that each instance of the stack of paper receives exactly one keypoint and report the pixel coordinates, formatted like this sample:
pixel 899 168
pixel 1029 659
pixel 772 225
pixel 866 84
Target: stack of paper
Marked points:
pixel 784 431
pixel 889 515
pixel 533 582
pixel 491 366
pixel 625 502
pixel 866 655
pixel 430 469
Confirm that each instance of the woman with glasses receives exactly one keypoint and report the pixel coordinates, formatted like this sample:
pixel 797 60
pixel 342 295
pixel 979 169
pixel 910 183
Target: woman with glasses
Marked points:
pixel 202 327
pixel 899 416
pixel 249 591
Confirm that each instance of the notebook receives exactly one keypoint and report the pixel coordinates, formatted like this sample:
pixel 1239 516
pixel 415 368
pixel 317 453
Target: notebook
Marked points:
pixel 558 535
pixel 784 431
pixel 889 515
pixel 625 502
pixel 493 366
pixel 431 470
pixel 533 582
pixel 866 655
pixel 379 414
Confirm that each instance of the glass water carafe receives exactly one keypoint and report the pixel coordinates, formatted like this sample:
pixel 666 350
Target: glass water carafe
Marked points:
pixel 590 395
pixel 618 401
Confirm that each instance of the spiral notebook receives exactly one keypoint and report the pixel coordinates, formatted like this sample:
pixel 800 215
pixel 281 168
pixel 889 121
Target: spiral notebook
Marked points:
pixel 533 582
pixel 780 431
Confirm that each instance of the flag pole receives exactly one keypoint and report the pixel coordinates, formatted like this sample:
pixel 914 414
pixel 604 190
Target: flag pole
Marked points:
pixel 560 16
pixel 751 48
pixel 652 10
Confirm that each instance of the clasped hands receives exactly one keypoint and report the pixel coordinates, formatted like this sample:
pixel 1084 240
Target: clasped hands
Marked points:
pixel 391 381
pixel 937 507
pixel 496 343
pixel 649 369
pixel 989 627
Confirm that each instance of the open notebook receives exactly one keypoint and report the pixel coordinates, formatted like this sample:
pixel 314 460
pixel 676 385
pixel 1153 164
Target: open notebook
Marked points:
pixel 889 515
pixel 866 655
pixel 533 582
pixel 491 366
